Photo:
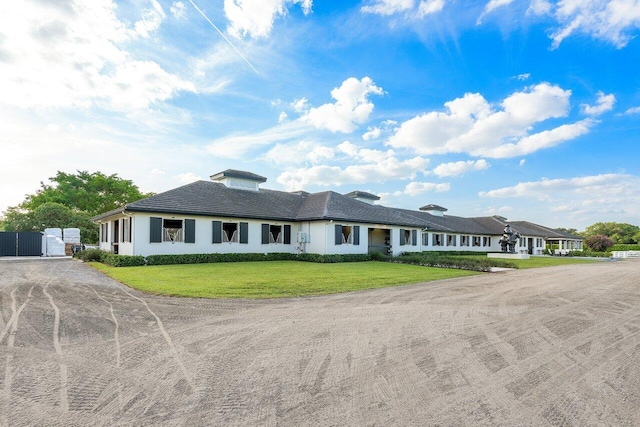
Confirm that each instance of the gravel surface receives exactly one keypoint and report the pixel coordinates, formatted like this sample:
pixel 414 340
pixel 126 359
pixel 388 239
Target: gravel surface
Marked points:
pixel 542 347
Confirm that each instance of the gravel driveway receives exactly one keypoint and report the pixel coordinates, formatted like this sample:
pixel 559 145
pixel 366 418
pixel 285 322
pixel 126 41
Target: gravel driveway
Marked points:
pixel 556 346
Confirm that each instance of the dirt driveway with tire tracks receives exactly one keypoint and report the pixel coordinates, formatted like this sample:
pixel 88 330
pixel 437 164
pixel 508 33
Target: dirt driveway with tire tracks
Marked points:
pixel 543 347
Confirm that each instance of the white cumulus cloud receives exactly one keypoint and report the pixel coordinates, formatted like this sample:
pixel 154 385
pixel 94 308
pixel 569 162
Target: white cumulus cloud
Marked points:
pixel 388 7
pixel 351 107
pixel 72 54
pixel 177 9
pixel 255 18
pixel 609 20
pixel 460 168
pixel 604 104
pixel 299 152
pixel 470 125
pixel 326 175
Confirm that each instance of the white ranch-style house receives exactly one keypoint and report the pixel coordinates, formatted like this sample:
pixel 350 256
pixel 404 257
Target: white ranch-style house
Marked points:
pixel 232 214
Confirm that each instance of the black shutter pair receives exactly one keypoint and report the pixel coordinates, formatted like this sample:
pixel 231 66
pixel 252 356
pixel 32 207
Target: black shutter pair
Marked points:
pixel 286 238
pixel 217 232
pixel 155 230
pixel 355 231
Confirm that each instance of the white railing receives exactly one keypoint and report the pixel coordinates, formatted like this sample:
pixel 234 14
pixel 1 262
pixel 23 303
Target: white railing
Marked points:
pixel 625 254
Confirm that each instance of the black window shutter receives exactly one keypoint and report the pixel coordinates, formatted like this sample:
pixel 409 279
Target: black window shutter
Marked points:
pixel 131 229
pixel 414 237
pixel 402 237
pixel 244 232
pixel 155 230
pixel 338 234
pixel 287 234
pixel 217 232
pixel 356 234
pixel 189 230
pixel 265 234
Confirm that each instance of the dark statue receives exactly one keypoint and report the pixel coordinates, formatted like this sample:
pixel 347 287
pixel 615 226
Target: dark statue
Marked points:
pixel 509 240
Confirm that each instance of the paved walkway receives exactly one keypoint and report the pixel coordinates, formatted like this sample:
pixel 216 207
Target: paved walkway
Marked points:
pixel 543 347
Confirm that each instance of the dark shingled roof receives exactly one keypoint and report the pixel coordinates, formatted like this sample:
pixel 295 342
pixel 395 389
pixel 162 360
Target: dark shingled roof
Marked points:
pixel 209 198
pixel 215 199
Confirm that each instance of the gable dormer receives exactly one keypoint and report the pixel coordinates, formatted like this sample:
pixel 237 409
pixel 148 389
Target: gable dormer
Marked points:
pixel 241 180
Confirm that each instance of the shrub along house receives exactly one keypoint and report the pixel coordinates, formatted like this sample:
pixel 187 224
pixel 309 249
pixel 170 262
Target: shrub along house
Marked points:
pixel 232 214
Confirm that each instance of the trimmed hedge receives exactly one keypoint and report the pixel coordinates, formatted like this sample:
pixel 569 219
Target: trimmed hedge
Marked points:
pixel 442 260
pixel 624 247
pixel 211 258
pixel 334 258
pixel 123 260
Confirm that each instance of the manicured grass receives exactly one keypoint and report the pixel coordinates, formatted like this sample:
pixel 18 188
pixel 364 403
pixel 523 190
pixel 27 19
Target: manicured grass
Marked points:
pixel 539 261
pixel 272 279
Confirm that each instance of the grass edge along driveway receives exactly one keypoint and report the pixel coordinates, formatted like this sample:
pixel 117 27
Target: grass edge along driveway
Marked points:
pixel 272 279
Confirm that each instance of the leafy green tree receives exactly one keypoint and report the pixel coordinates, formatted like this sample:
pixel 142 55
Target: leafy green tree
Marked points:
pixel 620 233
pixel 70 201
pixel 51 215
pixel 599 243
pixel 94 193
pixel 572 231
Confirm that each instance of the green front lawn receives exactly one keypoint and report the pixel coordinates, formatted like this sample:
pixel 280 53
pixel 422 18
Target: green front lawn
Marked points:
pixel 272 279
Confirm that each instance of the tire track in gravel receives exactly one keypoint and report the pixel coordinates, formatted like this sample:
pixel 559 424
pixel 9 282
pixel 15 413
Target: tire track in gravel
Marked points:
pixel 117 343
pixel 64 398
pixel 13 323
pixel 169 341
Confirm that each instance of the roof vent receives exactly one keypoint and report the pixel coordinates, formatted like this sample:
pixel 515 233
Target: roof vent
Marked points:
pixel 241 180
pixel 363 196
pixel 434 210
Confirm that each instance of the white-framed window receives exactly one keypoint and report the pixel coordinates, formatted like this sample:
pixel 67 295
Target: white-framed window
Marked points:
pixel 438 239
pixel 464 240
pixel 486 241
pixel 425 239
pixel 476 241
pixel 276 234
pixel 451 239
pixel 230 232
pixel 172 230
pixel 347 234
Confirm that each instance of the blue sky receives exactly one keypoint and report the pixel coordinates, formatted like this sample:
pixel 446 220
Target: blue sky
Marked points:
pixel 525 109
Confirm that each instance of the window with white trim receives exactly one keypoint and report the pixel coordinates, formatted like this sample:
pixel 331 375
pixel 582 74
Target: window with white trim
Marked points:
pixel 451 239
pixel 172 230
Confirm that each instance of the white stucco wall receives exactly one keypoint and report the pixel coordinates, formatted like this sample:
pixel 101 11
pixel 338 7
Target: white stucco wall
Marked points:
pixel 203 232
pixel 320 236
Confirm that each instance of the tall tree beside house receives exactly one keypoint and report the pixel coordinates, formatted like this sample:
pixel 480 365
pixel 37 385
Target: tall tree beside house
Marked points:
pixel 69 201
pixel 93 193
pixel 620 233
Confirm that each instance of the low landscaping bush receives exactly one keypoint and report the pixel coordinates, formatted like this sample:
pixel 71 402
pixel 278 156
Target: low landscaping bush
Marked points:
pixel 211 258
pixel 334 258
pixel 90 255
pixel 443 260
pixel 123 260
pixel 624 247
